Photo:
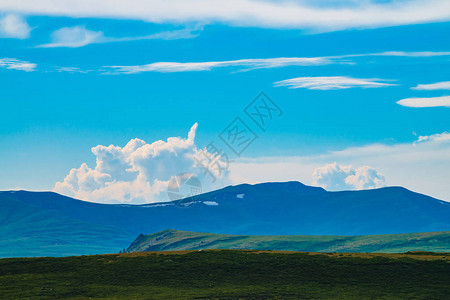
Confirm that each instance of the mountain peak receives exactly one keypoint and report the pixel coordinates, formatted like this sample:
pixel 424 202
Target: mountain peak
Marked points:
pixel 291 186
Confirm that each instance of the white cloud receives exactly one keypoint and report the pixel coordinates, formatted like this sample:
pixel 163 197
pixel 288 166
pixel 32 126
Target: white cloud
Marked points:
pixel 73 37
pixel 443 101
pixel 186 33
pixel 444 85
pixel 422 165
pixel 139 172
pixel 408 54
pixel 15 64
pixel 335 177
pixel 14 26
pixel 439 137
pixel 331 83
pixel 311 15
pixel 167 67
pixel 260 63
pixel 71 70
pixel 79 36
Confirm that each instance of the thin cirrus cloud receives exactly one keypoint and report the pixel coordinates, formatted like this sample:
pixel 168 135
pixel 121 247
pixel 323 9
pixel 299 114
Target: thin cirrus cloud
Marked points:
pixel 80 36
pixel 443 101
pixel 331 83
pixel 407 54
pixel 14 26
pixel 16 64
pixel 259 63
pixel 71 70
pixel 253 63
pixel 444 85
pixel 310 15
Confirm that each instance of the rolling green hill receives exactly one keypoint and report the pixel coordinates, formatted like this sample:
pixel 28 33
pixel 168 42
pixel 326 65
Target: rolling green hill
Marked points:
pixel 169 240
pixel 228 274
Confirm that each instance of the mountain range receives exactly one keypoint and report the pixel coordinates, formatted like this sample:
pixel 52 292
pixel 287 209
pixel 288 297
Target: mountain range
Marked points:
pixel 49 224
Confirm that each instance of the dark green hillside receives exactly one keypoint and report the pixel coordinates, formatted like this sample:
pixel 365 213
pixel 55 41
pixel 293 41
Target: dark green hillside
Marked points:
pixel 387 243
pixel 27 230
pixel 228 274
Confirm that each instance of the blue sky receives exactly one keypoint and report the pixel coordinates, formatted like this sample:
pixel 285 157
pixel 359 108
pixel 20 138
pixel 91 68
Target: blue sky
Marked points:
pixel 62 95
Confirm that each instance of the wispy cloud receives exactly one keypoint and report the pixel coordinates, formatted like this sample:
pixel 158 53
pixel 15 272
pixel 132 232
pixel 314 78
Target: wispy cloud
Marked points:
pixel 71 70
pixel 73 37
pixel 408 54
pixel 79 36
pixel 258 63
pixel 167 67
pixel 443 101
pixel 309 15
pixel 444 85
pixel 331 83
pixel 15 64
pixel 14 26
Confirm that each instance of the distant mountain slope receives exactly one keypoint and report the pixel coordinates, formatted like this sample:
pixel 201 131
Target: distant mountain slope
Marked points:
pixel 26 230
pixel 46 223
pixel 172 240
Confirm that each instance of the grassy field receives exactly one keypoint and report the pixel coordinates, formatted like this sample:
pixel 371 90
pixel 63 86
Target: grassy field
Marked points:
pixel 387 243
pixel 228 274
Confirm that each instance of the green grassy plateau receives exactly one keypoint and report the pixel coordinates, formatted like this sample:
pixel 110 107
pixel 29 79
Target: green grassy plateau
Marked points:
pixel 228 274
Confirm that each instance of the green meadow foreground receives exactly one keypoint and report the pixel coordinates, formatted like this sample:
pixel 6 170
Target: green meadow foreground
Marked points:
pixel 228 274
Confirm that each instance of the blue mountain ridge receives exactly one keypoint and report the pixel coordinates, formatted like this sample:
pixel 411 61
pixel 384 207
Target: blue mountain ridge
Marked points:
pixel 49 224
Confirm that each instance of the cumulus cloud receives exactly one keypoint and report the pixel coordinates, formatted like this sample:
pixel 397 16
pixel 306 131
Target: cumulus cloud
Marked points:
pixel 16 64
pixel 336 177
pixel 79 36
pixel 421 165
pixel 140 172
pixel 331 83
pixel 443 101
pixel 14 26
pixel 444 85
pixel 309 15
